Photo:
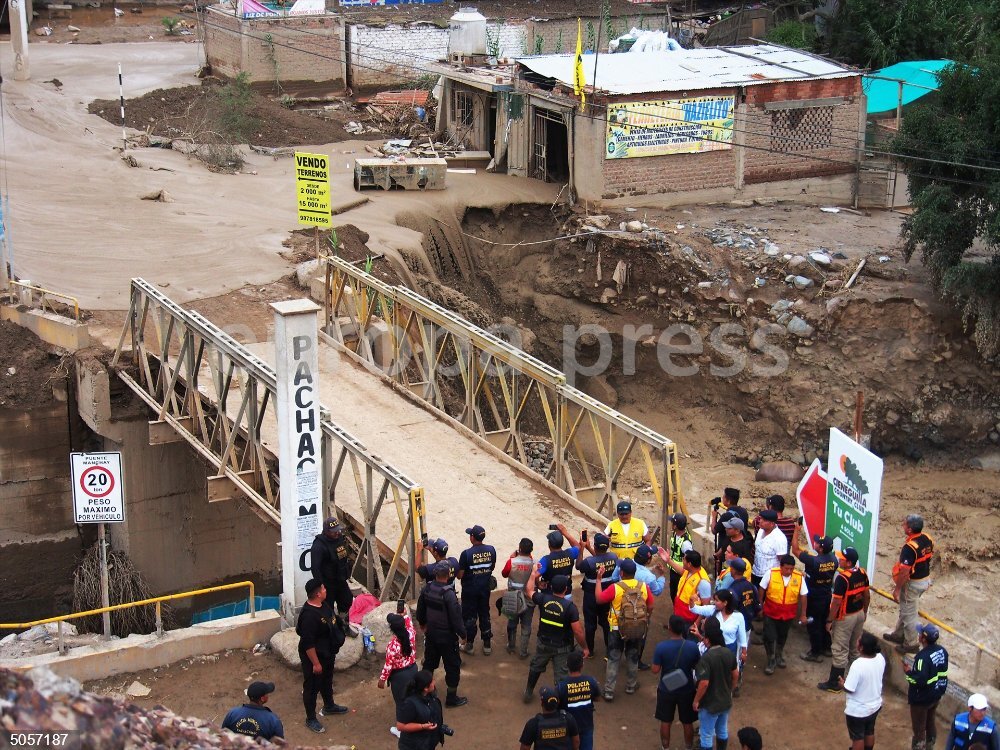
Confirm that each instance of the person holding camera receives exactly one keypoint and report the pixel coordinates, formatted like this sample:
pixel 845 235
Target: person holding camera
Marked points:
pixel 559 561
pixel 420 720
pixel 400 655
pixel 602 565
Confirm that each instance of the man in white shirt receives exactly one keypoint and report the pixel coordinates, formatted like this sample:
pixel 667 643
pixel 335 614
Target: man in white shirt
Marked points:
pixel 770 544
pixel 864 692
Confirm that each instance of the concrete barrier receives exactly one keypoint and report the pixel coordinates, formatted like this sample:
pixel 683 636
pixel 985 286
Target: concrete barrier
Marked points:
pixel 139 652
pixel 56 330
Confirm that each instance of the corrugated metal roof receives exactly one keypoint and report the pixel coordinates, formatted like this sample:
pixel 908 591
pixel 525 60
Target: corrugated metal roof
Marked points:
pixel 691 69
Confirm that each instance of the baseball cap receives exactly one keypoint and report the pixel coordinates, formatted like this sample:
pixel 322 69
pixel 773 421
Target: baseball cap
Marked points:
pixel 438 545
pixel 769 515
pixel 930 630
pixel 679 519
pixel 601 540
pixel 826 542
pixel 560 583
pixel 627 567
pixel 624 507
pixel 332 524
pixel 550 698
pixel 477 531
pixel 734 523
pixel 851 555
pixel 257 690
pixel 978 701
pixel 441 568
pixel 555 538
pixel 738 564
pixel 643 554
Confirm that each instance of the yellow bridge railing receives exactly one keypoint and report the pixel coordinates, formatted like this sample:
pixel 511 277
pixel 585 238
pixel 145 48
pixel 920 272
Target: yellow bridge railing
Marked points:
pixel 45 303
pixel 980 648
pixel 156 600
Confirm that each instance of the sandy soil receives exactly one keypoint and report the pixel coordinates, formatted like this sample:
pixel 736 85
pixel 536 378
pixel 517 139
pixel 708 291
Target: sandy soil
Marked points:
pixel 495 714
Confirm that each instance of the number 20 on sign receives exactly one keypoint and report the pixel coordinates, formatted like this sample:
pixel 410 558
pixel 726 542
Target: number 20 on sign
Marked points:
pixel 312 183
pixel 98 496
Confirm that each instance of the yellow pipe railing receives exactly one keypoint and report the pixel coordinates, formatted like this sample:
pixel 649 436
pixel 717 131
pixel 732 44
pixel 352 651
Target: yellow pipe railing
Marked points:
pixel 157 600
pixel 980 648
pixel 44 291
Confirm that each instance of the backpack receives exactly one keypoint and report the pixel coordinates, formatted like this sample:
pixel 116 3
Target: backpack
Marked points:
pixel 632 615
pixel 513 603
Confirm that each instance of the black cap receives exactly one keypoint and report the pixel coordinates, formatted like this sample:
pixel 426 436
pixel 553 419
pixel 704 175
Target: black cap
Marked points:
pixel 559 583
pixel 441 568
pixel 769 515
pixel 643 554
pixel 601 541
pixel 550 698
pixel 679 520
pixel 851 555
pixel 825 542
pixel 477 531
pixel 627 567
pixel 438 545
pixel 258 690
pixel 624 507
pixel 555 538
pixel 332 524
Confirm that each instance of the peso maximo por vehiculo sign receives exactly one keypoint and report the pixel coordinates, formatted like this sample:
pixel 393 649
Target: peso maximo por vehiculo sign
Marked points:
pixel 670 126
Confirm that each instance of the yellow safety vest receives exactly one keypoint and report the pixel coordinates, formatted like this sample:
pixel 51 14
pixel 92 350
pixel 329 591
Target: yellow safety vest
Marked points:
pixel 616 603
pixel 622 544
pixel 685 590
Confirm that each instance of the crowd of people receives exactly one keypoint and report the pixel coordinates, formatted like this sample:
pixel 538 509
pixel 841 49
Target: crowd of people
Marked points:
pixel 751 582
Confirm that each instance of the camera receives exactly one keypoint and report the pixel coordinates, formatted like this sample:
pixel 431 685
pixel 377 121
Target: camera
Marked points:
pixel 716 501
pixel 799 520
pixel 553 527
pixel 447 731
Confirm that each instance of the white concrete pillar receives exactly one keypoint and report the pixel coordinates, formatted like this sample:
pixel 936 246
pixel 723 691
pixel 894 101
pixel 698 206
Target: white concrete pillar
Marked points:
pixel 296 340
pixel 19 20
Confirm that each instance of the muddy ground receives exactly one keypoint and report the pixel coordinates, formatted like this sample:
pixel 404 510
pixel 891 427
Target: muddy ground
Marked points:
pixel 27 369
pixel 208 687
pixel 139 23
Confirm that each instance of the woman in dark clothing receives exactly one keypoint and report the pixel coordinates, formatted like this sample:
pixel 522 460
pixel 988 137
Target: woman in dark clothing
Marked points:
pixel 420 718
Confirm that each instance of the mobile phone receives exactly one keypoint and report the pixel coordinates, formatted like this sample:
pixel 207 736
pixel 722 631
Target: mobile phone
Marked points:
pixel 799 520
pixel 400 606
pixel 583 535
pixel 424 538
pixel 553 527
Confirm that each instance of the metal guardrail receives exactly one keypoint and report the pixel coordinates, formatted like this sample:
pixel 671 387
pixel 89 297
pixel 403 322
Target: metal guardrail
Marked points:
pixel 498 391
pixel 215 394
pixel 157 600
pixel 45 293
pixel 980 648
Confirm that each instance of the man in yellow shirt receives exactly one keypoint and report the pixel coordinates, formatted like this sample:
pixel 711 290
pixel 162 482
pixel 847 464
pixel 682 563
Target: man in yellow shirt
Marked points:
pixel 627 533
pixel 622 622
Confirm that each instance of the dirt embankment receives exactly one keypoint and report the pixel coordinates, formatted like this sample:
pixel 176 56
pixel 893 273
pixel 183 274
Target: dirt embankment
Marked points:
pixel 27 369
pixel 732 313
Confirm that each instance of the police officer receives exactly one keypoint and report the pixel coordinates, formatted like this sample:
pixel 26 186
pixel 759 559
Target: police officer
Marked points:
pixel 821 568
pixel 559 561
pixel 627 533
pixel 439 551
pixel 475 570
pixel 601 565
pixel 254 719
pixel 331 564
pixel 440 617
pixel 317 652
pixel 680 542
pixel 552 729
pixel 974 726
pixel 911 577
pixel 558 625
pixel 846 618
pixel 928 682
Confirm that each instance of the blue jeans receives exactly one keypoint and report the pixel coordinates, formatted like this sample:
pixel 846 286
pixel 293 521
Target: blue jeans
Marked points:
pixel 712 725
pixel 587 740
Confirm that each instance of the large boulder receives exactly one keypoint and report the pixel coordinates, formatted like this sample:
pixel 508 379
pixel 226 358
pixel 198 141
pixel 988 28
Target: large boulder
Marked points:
pixel 376 623
pixel 285 644
pixel 779 471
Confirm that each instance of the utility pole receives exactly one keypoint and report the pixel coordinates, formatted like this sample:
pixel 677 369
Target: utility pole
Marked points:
pixel 19 39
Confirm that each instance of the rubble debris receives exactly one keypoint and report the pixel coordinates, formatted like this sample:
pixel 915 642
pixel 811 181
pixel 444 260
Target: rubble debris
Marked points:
pixel 160 196
pixel 137 690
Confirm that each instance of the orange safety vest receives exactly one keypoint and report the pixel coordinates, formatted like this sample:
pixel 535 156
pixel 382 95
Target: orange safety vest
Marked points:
pixel 923 550
pixel 857 584
pixel 686 588
pixel 781 602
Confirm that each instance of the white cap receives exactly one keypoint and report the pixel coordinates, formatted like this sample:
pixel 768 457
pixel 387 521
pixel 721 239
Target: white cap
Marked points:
pixel 978 701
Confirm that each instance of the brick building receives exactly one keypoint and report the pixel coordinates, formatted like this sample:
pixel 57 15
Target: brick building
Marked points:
pixel 718 123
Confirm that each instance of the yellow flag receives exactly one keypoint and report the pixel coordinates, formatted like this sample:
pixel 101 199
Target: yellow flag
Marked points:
pixel 579 81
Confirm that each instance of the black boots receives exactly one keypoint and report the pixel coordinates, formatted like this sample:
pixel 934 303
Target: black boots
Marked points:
pixel 529 689
pixel 832 685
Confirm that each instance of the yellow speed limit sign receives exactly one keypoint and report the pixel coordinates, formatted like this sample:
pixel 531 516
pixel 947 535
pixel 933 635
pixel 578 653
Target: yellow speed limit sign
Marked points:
pixel 312 182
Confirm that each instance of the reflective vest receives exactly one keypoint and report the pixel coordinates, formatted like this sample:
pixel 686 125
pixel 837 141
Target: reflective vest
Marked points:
pixel 854 599
pixel 622 544
pixel 676 543
pixel 553 732
pixel 553 621
pixel 616 603
pixel 781 602
pixel 967 735
pixel 923 548
pixel 686 588
pixel 520 571
pixel 725 569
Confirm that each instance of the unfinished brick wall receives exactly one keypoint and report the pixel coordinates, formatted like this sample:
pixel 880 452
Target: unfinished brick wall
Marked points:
pixel 670 173
pixel 780 142
pixel 550 30
pixel 302 48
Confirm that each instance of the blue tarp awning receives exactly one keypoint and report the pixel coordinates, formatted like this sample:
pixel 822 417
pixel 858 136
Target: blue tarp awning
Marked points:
pixel 919 78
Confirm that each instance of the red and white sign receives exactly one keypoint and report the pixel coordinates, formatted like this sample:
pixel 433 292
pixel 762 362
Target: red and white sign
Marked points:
pixel 98 494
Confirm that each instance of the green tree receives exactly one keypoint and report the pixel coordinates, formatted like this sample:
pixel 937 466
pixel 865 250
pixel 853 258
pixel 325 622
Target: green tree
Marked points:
pixel 955 223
